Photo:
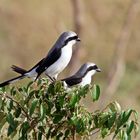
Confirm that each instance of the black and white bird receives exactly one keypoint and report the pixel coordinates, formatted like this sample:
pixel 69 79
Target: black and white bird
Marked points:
pixel 83 76
pixel 57 59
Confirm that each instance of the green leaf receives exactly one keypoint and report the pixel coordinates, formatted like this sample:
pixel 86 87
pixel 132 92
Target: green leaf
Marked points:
pixel 1 103
pixel 112 107
pixel 136 128
pixel 127 115
pixel 42 111
pixel 103 119
pixel 40 136
pixel 59 136
pixel 111 120
pixel 119 120
pixel 104 132
pixel 73 100
pixel 96 121
pixel 3 89
pixel 39 81
pixel 12 128
pixel 130 127
pixel 117 105
pixel 41 129
pixel 9 105
pixel 80 126
pixel 13 135
pixel 51 89
pixel 61 100
pixel 67 132
pixel 23 130
pixel 28 86
pixel 135 114
pixel 123 118
pixel 57 118
pixel 33 106
pixel 125 136
pixel 10 119
pixel 116 132
pixel 95 93
pixel 50 106
pixel 49 133
pixel 17 112
pixel 83 90
pixel 21 89
pixel 13 91
pixel 58 86
pixel 2 122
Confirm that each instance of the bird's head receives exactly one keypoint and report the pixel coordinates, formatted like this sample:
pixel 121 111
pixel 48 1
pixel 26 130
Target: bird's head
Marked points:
pixel 88 69
pixel 68 37
pixel 92 68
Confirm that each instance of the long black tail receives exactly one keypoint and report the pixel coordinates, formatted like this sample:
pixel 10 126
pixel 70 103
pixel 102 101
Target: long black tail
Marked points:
pixel 18 69
pixel 12 80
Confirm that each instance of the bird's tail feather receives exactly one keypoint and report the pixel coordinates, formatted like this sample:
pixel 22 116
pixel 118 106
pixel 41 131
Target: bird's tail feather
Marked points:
pixel 12 80
pixel 18 69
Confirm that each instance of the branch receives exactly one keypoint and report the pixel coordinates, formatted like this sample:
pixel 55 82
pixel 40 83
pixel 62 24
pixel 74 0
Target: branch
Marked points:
pixel 93 133
pixel 25 113
pixel 118 65
pixel 78 9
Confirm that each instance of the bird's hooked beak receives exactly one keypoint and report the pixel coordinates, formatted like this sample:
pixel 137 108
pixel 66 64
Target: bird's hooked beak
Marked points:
pixel 78 39
pixel 98 70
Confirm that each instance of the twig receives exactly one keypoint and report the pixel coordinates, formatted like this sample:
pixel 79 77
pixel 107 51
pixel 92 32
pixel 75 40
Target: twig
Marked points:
pixel 74 134
pixel 93 133
pixel 42 133
pixel 25 113
pixel 35 134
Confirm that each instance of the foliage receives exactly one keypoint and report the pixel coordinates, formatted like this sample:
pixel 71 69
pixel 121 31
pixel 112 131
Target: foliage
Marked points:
pixel 43 111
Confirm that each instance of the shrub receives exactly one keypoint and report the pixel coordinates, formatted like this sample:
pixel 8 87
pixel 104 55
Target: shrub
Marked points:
pixel 41 110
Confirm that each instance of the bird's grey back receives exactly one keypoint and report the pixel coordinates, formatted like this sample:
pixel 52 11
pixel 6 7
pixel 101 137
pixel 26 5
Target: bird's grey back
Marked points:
pixel 82 71
pixel 61 40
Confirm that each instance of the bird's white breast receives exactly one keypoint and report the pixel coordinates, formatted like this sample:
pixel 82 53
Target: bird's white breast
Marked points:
pixel 87 78
pixel 61 63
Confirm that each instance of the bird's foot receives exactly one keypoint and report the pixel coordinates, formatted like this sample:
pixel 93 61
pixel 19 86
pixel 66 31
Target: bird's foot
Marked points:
pixel 54 79
pixel 51 78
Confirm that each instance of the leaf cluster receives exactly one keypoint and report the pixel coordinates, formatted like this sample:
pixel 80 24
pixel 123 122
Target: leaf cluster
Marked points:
pixel 42 110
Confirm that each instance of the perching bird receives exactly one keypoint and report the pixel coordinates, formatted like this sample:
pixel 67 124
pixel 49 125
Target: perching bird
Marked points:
pixel 57 59
pixel 83 76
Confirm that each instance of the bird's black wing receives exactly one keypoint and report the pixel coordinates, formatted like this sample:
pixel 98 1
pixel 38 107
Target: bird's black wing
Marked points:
pixel 37 65
pixel 48 61
pixel 19 70
pixel 12 80
pixel 73 80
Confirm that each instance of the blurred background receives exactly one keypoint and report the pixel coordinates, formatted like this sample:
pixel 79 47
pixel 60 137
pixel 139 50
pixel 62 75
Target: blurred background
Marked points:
pixel 110 34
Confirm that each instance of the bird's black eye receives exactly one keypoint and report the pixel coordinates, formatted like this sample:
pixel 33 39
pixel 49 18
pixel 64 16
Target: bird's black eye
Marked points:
pixel 75 37
pixel 70 39
pixel 95 67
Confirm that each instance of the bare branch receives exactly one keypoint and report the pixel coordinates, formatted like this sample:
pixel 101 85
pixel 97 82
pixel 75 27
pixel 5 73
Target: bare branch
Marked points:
pixel 78 9
pixel 118 65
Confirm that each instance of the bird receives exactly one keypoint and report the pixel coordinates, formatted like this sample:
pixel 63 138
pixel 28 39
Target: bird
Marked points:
pixel 82 77
pixel 55 62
